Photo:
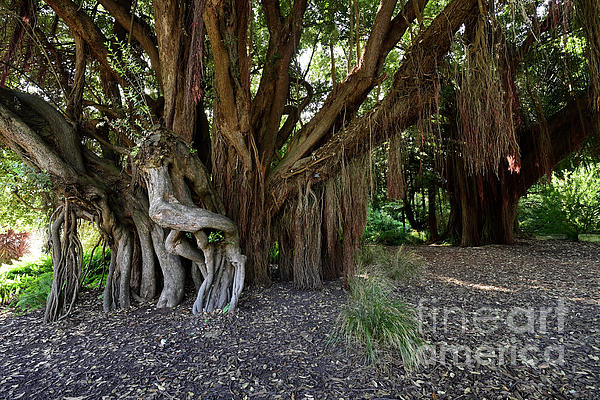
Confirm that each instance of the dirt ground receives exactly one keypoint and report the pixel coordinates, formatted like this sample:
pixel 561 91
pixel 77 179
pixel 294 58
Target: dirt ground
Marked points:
pixel 501 322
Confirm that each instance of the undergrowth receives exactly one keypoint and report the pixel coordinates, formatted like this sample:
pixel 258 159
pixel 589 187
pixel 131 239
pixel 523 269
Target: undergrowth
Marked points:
pixel 26 285
pixel 395 264
pixel 384 228
pixel 374 320
pixel 14 279
pixel 569 204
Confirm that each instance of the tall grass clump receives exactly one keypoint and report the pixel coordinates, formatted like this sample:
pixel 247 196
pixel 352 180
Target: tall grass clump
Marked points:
pixel 374 319
pixel 395 264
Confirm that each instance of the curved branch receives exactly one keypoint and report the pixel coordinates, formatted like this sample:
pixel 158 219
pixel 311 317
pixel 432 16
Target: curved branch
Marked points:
pixel 347 96
pixel 294 114
pixel 166 211
pixel 397 110
pixel 82 25
pixel 18 135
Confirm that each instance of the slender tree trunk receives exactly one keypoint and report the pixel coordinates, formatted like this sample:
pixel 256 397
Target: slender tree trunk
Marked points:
pixel 431 212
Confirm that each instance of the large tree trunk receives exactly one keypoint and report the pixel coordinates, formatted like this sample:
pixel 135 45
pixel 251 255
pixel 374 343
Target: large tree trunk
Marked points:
pixel 182 199
pixel 179 200
pixel 484 205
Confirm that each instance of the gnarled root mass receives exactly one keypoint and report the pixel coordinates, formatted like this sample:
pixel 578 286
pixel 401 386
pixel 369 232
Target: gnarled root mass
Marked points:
pixel 183 202
pixel 67 257
pixel 143 233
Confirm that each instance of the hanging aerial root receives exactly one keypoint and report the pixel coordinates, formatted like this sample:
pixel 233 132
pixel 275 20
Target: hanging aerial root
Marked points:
pixel 588 13
pixel 486 125
pixel 354 187
pixel 396 181
pixel 307 239
pixel 332 226
pixel 67 258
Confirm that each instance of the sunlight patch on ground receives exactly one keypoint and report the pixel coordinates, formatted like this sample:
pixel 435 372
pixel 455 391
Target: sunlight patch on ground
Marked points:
pixel 595 302
pixel 477 286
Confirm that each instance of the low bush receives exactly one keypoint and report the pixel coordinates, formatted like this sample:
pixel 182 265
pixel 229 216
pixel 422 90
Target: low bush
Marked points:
pixel 35 294
pixel 384 228
pixel 14 279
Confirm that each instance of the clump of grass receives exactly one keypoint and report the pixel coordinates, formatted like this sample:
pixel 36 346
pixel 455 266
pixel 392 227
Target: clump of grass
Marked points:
pixel 374 319
pixel 397 265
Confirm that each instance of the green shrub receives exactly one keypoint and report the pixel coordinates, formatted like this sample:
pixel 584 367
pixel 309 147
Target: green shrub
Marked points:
pixel 27 284
pixel 96 273
pixel 14 279
pixel 35 294
pixel 373 320
pixel 384 227
pixel 569 205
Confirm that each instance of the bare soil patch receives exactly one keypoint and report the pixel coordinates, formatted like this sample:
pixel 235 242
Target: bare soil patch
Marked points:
pixel 519 322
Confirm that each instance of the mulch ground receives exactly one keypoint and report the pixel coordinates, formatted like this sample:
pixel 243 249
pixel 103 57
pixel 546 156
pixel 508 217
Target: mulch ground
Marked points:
pixel 518 322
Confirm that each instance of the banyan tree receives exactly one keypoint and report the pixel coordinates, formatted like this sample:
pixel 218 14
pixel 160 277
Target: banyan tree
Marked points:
pixel 197 135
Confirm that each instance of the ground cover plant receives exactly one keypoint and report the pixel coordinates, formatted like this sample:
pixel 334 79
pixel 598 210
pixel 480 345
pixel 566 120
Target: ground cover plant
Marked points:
pixel 16 278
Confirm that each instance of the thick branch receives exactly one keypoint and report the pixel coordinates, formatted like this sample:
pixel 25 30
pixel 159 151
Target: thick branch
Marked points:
pixel 567 130
pixel 169 213
pixel 82 25
pixel 272 95
pixel 397 111
pixel 16 133
pixel 346 98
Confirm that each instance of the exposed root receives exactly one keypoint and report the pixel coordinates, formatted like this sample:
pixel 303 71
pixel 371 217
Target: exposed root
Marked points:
pixel 67 257
pixel 174 189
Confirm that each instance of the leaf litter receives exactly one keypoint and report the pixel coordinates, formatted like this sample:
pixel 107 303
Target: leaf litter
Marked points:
pixel 491 316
